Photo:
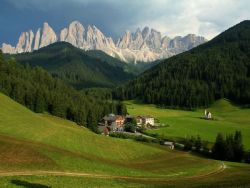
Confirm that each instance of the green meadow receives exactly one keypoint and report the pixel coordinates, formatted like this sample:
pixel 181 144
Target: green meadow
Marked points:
pixel 235 175
pixel 180 124
pixel 33 143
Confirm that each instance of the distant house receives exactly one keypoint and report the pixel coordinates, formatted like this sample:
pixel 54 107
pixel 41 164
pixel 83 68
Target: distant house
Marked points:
pixel 145 120
pixel 169 144
pixel 208 115
pixel 148 120
pixel 112 122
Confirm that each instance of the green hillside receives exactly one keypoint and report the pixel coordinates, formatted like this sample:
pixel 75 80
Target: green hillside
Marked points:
pixel 217 69
pixel 36 89
pixel 76 67
pixel 43 151
pixel 180 124
pixel 53 143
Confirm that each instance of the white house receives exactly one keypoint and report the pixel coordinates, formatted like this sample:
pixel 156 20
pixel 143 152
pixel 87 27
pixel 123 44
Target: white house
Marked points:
pixel 208 115
pixel 169 144
pixel 148 120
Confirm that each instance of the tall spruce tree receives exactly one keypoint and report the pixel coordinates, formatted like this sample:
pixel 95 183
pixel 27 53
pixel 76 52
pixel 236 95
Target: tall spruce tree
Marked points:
pixel 219 148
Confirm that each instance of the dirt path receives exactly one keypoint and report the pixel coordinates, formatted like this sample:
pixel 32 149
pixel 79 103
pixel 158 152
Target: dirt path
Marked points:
pixel 106 176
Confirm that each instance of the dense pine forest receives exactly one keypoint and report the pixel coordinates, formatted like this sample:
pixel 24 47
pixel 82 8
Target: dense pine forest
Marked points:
pixel 217 69
pixel 39 91
pixel 76 67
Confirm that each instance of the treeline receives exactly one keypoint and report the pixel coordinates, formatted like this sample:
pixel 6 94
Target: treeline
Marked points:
pixel 217 69
pixel 39 91
pixel 228 148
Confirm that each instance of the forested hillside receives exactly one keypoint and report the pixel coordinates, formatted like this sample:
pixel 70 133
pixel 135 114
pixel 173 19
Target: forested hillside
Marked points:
pixel 217 69
pixel 76 67
pixel 39 91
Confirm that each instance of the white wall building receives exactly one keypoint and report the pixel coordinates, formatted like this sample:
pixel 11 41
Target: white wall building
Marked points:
pixel 148 120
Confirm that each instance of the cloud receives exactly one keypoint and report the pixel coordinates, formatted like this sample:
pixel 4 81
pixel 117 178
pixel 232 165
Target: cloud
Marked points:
pixel 171 17
pixel 202 17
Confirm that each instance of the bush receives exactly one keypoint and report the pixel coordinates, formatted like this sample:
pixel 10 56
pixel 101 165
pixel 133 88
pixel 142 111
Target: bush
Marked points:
pixel 188 144
pixel 130 127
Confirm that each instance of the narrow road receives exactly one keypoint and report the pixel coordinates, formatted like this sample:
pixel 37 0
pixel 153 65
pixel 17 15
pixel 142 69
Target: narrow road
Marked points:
pixel 106 176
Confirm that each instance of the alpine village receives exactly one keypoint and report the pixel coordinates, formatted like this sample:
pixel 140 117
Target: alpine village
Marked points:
pixel 116 93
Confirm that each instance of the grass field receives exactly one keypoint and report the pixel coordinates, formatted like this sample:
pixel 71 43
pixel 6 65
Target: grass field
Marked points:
pixel 181 124
pixel 235 175
pixel 31 144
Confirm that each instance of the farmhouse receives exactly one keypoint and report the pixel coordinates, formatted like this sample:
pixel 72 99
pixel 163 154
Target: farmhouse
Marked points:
pixel 145 120
pixel 112 122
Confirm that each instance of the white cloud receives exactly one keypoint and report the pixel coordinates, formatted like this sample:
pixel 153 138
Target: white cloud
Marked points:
pixel 202 17
pixel 172 17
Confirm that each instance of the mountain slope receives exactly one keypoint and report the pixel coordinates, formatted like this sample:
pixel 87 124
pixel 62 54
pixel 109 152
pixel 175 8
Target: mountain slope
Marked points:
pixel 218 69
pixel 76 67
pixel 142 46
pixel 39 91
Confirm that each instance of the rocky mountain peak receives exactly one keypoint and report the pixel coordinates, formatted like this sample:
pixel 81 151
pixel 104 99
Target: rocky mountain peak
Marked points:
pixel 142 45
pixel 25 42
pixel 48 35
pixel 37 39
pixel 145 32
pixel 74 34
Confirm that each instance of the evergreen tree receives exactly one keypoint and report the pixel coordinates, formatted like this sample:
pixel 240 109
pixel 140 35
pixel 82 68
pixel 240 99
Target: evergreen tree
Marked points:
pixel 219 148
pixel 188 144
pixel 238 146
pixel 229 148
pixel 121 109
pixel 198 143
pixel 92 121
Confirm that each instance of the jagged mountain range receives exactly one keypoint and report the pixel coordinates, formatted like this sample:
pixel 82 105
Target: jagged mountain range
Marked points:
pixel 197 78
pixel 143 45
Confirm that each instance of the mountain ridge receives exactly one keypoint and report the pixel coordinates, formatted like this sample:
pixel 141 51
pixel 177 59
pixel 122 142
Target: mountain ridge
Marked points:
pixel 141 46
pixel 75 67
pixel 217 69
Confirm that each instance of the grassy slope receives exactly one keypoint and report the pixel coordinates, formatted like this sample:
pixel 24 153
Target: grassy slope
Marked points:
pixel 30 141
pixel 62 145
pixel 228 118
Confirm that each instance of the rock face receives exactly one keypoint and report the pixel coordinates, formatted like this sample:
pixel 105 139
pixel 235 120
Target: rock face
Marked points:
pixel 37 39
pixel 144 45
pixel 25 42
pixel 74 34
pixel 7 48
pixel 48 36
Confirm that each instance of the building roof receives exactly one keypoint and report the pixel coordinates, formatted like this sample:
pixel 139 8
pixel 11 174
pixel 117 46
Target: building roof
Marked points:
pixel 112 117
pixel 168 143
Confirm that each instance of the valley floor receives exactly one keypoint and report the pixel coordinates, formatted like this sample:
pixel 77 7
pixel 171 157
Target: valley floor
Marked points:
pixel 181 124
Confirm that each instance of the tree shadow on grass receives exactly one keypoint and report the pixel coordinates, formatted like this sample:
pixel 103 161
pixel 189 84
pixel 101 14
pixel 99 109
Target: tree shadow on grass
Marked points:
pixel 28 185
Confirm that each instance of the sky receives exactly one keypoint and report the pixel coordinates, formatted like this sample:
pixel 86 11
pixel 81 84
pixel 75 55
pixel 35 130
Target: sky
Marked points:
pixel 113 17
